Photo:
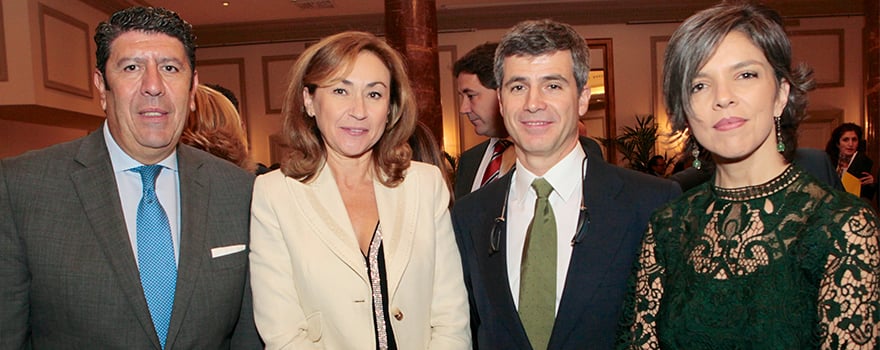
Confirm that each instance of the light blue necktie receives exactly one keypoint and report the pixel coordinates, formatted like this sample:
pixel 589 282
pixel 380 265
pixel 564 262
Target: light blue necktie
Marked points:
pixel 155 253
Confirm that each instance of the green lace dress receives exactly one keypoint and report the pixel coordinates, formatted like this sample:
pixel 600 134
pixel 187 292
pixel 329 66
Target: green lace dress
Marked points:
pixel 790 264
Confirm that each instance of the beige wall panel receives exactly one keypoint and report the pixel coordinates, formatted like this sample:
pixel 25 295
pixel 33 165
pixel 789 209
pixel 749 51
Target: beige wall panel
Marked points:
pixel 228 73
pixel 65 47
pixel 18 137
pixel 276 72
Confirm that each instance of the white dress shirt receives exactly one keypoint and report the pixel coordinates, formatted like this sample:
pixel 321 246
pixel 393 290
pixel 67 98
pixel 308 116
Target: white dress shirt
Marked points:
pixel 566 179
pixel 130 190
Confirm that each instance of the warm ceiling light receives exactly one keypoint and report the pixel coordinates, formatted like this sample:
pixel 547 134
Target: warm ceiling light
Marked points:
pixel 225 3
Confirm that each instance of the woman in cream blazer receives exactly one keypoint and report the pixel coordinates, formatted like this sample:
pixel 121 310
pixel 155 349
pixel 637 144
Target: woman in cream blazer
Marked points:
pixel 309 280
pixel 312 220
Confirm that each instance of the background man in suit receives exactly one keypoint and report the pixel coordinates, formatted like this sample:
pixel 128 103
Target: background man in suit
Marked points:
pixel 479 102
pixel 581 238
pixel 88 258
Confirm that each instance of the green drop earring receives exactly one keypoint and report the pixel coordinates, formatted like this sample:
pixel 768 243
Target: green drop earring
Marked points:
pixel 780 146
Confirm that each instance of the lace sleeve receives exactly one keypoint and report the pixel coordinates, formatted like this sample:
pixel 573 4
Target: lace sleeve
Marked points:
pixel 638 324
pixel 848 291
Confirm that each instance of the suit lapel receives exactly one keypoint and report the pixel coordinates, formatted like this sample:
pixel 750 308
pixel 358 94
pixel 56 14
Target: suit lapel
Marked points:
pixel 590 259
pixel 493 267
pixel 327 217
pixel 194 199
pixel 398 229
pixel 95 185
pixel 470 166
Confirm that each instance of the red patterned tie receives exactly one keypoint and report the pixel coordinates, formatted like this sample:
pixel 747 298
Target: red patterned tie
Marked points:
pixel 493 170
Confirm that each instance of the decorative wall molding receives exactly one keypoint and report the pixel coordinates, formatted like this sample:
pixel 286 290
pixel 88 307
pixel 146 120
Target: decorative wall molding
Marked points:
pixel 65 52
pixel 452 127
pixel 229 73
pixel 51 116
pixel 278 148
pixel 276 71
pixel 658 50
pixel 605 45
pixel 4 70
pixel 823 50
pixel 815 130
pixel 476 16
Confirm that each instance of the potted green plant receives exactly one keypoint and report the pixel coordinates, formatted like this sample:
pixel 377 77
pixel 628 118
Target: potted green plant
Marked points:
pixel 635 144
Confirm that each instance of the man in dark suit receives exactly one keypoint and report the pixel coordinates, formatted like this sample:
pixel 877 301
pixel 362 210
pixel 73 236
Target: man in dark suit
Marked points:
pixel 594 214
pixel 88 258
pixel 479 102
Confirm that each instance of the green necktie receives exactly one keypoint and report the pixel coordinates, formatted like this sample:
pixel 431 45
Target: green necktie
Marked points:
pixel 537 285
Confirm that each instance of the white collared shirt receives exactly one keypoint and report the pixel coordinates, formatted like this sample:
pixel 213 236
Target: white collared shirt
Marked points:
pixel 130 190
pixel 484 162
pixel 566 179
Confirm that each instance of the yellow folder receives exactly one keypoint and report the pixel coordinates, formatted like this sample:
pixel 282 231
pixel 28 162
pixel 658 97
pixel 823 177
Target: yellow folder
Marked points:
pixel 851 183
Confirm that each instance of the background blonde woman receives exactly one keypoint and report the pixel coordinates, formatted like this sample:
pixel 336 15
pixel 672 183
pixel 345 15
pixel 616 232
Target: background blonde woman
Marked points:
pixel 216 127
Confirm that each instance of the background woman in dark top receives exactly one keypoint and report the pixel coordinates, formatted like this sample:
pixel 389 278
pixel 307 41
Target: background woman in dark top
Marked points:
pixel 846 148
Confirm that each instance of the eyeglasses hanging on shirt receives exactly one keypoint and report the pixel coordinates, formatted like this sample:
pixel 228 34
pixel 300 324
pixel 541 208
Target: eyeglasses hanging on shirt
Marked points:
pixel 500 225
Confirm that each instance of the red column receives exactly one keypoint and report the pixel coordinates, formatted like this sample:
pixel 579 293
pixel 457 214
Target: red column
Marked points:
pixel 411 28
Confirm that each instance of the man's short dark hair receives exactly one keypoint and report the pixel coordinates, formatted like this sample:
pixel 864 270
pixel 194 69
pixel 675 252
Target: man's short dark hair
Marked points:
pixel 479 62
pixel 145 19
pixel 542 37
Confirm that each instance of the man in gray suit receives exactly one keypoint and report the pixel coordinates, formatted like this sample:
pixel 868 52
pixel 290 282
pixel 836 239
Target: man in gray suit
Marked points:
pixel 479 103
pixel 78 250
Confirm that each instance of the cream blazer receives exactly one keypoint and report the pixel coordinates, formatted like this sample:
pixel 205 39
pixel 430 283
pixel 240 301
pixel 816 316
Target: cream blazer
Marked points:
pixel 309 278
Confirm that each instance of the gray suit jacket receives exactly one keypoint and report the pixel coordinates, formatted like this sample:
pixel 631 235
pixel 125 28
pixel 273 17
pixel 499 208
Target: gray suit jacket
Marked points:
pixel 68 277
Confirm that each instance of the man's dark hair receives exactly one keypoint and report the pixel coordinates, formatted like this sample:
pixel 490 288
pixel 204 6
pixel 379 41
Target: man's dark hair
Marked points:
pixel 542 37
pixel 226 92
pixel 479 62
pixel 145 19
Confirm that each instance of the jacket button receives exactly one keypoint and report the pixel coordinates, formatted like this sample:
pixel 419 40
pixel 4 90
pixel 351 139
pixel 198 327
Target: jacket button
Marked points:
pixel 398 315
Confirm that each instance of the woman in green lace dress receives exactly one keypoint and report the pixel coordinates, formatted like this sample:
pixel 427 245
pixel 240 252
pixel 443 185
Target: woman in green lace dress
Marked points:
pixel 763 256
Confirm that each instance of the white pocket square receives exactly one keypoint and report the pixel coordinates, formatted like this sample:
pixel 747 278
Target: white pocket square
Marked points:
pixel 224 251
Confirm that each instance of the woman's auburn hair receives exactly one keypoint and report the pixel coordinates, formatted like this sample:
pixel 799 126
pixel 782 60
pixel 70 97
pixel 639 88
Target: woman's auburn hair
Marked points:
pixel 216 127
pixel 325 63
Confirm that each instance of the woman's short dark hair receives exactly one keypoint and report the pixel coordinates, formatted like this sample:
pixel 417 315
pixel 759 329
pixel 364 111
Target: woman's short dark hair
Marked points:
pixel 536 38
pixel 832 147
pixel 694 42
pixel 322 64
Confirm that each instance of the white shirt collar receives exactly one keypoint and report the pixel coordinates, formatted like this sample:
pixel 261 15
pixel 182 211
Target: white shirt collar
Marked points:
pixel 121 161
pixel 565 177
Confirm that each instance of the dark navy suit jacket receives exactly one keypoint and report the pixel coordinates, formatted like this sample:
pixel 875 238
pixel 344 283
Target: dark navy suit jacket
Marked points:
pixel 468 165
pixel 619 202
